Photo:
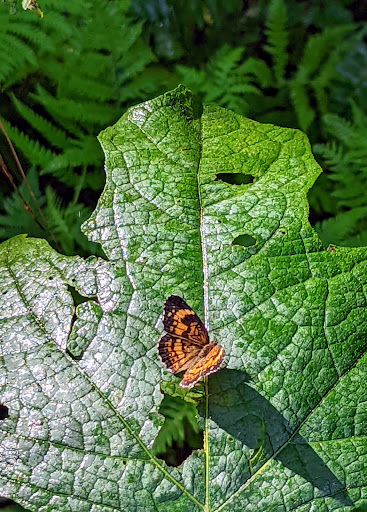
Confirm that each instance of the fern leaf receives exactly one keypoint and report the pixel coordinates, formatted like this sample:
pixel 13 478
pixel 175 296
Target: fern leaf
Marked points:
pixel 277 38
pixel 344 130
pixel 318 47
pixel 83 112
pixel 194 78
pixel 345 229
pixel 178 416
pixel 75 85
pixel 14 55
pixel 15 219
pixel 65 224
pixel 30 32
pixel 53 134
pixel 32 150
pixel 301 104
pixel 258 69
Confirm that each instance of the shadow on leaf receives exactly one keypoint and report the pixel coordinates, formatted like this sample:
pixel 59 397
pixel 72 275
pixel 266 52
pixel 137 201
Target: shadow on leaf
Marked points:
pixel 263 433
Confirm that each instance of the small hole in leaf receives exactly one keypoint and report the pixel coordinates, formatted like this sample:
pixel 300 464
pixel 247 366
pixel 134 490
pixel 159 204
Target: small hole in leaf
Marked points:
pixel 235 178
pixel 244 240
pixel 282 231
pixel 4 412
pixel 50 278
pixel 77 298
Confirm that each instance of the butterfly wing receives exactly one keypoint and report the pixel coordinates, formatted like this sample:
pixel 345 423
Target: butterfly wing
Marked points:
pixel 203 366
pixel 181 321
pixel 177 354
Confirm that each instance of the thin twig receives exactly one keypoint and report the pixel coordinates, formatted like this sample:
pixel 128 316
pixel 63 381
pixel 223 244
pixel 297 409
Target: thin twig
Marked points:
pixel 45 226
pixel 10 178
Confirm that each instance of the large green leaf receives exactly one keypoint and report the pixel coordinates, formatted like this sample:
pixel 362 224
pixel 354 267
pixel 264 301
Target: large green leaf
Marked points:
pixel 285 424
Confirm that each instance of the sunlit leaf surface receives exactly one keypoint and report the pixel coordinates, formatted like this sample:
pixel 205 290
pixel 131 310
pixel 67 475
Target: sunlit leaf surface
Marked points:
pixel 285 424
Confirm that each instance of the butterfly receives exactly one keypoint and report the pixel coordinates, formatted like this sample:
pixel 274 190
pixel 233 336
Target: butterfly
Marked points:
pixel 186 346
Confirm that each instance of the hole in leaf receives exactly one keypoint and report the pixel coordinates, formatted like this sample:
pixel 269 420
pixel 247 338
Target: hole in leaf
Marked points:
pixel 180 433
pixel 77 298
pixel 235 178
pixel 4 412
pixel 244 240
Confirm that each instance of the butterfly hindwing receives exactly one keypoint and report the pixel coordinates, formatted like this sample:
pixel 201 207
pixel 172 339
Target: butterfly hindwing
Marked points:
pixel 204 366
pixel 181 321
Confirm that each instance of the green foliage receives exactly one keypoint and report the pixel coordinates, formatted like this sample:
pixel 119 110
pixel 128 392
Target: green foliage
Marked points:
pixel 60 225
pixel 317 72
pixel 345 157
pixel 283 422
pixel 180 425
pixel 87 77
pixel 226 80
pixel 241 84
pixel 346 229
pixel 277 38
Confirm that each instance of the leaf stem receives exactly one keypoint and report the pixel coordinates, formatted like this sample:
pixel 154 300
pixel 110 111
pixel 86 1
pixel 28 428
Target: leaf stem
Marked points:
pixel 206 445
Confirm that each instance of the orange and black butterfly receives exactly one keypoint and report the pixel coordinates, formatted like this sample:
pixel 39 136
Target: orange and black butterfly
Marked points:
pixel 186 346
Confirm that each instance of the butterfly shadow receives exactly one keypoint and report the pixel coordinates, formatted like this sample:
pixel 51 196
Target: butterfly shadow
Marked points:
pixel 263 432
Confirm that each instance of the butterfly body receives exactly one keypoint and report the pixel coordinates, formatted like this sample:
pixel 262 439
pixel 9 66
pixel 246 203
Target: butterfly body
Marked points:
pixel 186 346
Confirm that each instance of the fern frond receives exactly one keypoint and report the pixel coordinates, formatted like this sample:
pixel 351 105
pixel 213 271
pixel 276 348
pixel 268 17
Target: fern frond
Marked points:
pixel 348 229
pixel 258 69
pixel 317 71
pixel 32 150
pixel 194 78
pixel 75 85
pixel 179 416
pixel 80 111
pixel 133 66
pixel 349 133
pixel 318 47
pixel 227 81
pixel 65 224
pixel 24 56
pixel 277 35
pixel 54 135
pixel 30 32
pixel 301 104
pixel 83 68
pixel 14 218
pixel 346 158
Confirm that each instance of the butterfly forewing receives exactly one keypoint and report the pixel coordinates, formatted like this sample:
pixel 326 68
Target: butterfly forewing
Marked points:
pixel 181 321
